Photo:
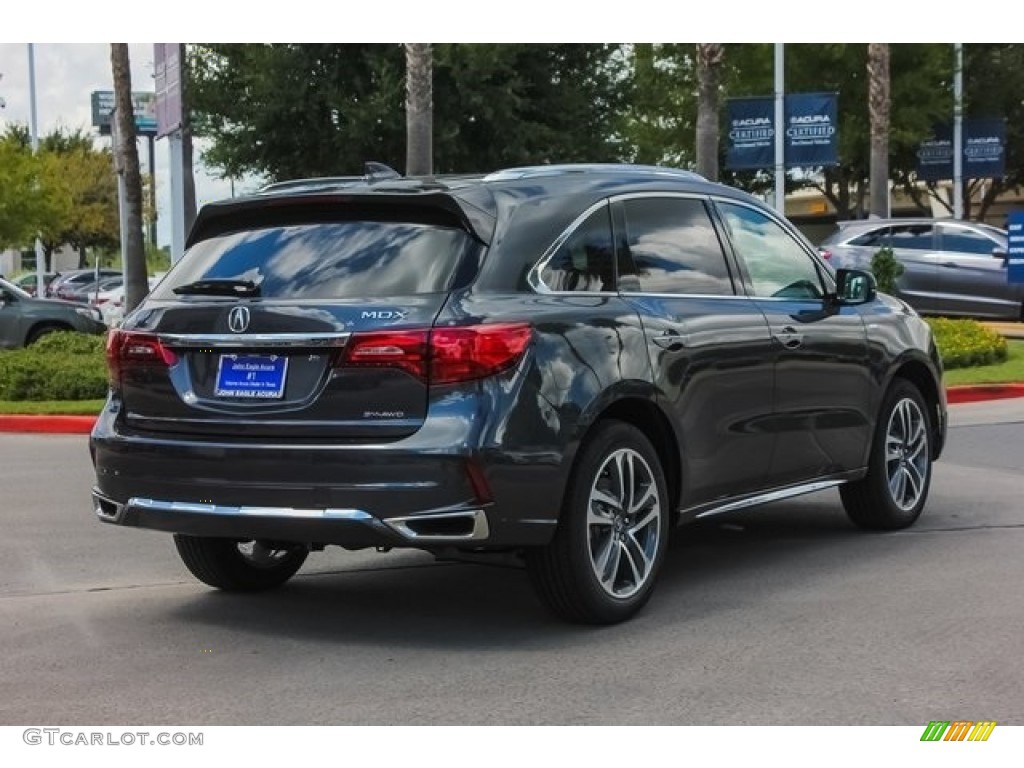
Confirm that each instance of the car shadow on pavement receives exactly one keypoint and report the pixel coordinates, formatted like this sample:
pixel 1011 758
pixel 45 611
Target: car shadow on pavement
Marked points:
pixel 463 606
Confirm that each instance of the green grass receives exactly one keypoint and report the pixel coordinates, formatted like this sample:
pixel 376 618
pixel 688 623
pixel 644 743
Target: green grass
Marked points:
pixel 1000 373
pixel 50 407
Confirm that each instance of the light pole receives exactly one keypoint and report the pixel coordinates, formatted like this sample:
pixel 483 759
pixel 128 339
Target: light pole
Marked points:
pixel 34 127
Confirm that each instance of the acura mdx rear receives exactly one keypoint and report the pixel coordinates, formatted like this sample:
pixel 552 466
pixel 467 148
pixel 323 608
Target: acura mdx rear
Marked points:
pixel 503 364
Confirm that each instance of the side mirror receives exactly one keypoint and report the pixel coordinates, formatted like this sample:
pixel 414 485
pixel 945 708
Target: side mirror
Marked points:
pixel 1000 253
pixel 855 286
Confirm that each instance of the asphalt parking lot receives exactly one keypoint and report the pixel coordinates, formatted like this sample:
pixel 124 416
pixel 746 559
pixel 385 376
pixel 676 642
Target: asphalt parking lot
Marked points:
pixel 783 615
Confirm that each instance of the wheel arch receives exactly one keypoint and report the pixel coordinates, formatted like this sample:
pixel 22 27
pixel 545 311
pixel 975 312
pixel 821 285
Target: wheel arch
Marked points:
pixel 920 374
pixel 649 418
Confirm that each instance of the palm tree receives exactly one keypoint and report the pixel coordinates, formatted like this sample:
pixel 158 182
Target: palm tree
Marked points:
pixel 419 109
pixel 709 76
pixel 878 111
pixel 126 157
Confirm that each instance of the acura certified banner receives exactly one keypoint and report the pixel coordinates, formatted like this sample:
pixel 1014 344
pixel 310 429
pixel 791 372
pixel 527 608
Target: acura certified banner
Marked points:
pixel 811 139
pixel 1015 253
pixel 984 151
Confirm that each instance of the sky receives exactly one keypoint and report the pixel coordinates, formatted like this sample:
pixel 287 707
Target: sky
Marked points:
pixel 66 75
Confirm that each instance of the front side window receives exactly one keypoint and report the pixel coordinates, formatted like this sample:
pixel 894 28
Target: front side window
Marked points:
pixel 778 266
pixel 586 260
pixel 966 241
pixel 675 248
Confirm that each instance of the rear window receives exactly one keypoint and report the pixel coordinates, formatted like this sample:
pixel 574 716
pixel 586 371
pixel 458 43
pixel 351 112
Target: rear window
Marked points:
pixel 336 260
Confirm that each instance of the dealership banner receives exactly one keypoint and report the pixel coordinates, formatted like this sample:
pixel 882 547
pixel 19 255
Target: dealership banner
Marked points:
pixel 812 136
pixel 984 151
pixel 1015 252
pixel 811 131
pixel 751 133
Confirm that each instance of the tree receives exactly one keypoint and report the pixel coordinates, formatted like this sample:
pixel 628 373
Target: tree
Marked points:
pixel 127 155
pixel 292 111
pixel 878 112
pixel 21 195
pixel 419 109
pixel 709 78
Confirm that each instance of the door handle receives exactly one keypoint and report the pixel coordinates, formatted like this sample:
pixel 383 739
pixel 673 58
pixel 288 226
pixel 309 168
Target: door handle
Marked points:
pixel 951 265
pixel 669 340
pixel 789 337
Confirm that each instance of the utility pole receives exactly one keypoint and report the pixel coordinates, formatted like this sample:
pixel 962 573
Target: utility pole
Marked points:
pixel 958 131
pixel 34 128
pixel 780 128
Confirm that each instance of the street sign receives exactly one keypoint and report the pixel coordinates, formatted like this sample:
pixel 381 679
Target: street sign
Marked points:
pixel 1015 251
pixel 143 105
pixel 168 63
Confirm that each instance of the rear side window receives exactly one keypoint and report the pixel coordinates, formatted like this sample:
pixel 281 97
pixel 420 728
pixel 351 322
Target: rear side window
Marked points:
pixel 916 237
pixel 877 238
pixel 336 260
pixel 675 248
pixel 586 260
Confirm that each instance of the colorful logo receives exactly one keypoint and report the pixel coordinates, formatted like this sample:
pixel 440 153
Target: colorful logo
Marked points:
pixel 958 730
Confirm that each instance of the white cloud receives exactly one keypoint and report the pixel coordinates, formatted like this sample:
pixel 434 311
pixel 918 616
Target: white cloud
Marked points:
pixel 66 75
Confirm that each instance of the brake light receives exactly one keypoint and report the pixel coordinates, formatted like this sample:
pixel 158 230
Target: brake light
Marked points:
pixel 475 352
pixel 443 355
pixel 126 350
pixel 389 349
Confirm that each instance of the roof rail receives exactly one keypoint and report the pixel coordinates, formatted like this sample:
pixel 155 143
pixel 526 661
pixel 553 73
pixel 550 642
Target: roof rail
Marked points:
pixel 534 171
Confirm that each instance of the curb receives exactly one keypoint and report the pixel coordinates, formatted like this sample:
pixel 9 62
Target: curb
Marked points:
pixel 976 393
pixel 82 425
pixel 58 425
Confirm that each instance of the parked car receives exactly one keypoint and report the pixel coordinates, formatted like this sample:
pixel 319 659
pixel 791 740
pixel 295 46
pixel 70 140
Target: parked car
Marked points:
pixel 87 293
pixel 25 319
pixel 110 301
pixel 68 282
pixel 28 282
pixel 555 364
pixel 949 267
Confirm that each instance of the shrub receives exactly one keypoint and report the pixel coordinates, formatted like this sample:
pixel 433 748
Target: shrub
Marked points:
pixel 886 269
pixel 965 343
pixel 60 366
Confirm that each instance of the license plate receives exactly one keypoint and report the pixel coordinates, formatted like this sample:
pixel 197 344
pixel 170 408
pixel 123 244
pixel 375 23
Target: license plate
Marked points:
pixel 260 377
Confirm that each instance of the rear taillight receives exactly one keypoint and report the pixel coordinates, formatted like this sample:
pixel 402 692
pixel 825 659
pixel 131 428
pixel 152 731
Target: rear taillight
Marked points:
pixel 389 349
pixel 474 352
pixel 126 350
pixel 443 355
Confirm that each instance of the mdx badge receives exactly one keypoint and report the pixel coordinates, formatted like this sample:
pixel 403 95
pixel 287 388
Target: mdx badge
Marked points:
pixel 238 319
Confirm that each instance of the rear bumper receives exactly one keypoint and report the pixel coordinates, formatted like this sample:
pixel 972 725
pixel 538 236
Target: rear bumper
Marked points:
pixel 463 479
pixel 351 527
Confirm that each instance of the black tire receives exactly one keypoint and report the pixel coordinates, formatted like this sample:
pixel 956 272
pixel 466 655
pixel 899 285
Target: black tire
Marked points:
pixel 591 531
pixel 238 566
pixel 43 330
pixel 894 491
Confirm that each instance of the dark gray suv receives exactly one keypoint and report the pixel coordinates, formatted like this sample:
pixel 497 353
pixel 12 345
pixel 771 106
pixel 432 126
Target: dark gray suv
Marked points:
pixel 553 363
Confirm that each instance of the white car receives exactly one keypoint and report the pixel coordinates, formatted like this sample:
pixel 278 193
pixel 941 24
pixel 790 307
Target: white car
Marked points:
pixel 111 303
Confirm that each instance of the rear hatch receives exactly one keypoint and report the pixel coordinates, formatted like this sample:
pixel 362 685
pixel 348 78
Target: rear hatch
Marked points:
pixel 299 322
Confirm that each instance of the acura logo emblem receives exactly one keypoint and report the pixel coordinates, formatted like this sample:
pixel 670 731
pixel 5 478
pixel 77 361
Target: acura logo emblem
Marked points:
pixel 238 319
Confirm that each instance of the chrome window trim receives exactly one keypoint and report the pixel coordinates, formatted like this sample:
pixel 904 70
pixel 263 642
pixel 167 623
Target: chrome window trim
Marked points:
pixel 226 340
pixel 534 279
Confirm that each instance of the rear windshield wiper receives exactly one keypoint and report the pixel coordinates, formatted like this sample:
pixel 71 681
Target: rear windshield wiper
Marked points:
pixel 219 287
